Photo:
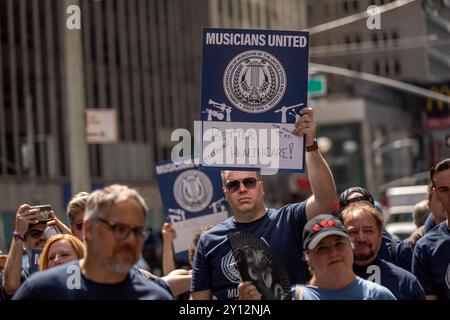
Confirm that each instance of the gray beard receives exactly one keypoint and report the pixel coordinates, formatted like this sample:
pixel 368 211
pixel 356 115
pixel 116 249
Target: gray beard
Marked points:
pixel 112 265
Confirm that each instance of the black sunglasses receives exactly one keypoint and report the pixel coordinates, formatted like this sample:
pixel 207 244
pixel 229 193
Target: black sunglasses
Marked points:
pixel 233 186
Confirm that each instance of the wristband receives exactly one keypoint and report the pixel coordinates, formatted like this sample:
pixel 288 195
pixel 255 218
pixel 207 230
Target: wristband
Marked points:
pixel 312 147
pixel 17 235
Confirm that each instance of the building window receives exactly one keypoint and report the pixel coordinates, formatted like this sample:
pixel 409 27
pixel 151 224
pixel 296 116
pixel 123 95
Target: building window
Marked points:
pixel 345 6
pixel 347 40
pixel 385 38
pixel 376 67
pixel 397 67
pixel 386 67
pixel 375 39
pixel 395 38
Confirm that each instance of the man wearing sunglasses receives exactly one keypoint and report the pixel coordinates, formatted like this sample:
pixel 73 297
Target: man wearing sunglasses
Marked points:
pixel 114 232
pixel 28 235
pixel 215 272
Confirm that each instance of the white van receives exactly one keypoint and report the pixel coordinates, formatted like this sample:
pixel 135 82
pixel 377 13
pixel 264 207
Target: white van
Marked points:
pixel 401 201
pixel 400 221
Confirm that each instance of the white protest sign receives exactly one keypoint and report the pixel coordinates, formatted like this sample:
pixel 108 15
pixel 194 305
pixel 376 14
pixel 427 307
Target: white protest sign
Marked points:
pixel 101 126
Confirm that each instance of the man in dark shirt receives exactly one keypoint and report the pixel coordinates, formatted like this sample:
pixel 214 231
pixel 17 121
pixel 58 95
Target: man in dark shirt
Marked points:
pixel 214 270
pixel 431 260
pixel 114 232
pixel 364 224
pixel 436 216
pixel 391 249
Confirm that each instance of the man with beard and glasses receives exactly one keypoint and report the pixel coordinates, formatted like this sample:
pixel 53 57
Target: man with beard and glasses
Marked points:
pixel 391 249
pixel 364 225
pixel 29 236
pixel 215 273
pixel 114 232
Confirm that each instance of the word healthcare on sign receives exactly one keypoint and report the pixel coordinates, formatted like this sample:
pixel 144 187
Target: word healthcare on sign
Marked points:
pixel 192 198
pixel 254 83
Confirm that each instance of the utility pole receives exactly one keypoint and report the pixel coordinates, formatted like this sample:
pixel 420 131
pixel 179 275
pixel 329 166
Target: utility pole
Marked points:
pixel 76 100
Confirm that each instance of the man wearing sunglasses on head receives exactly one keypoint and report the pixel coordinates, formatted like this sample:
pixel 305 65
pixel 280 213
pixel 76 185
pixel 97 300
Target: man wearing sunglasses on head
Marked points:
pixel 114 232
pixel 75 213
pixel 215 272
pixel 28 235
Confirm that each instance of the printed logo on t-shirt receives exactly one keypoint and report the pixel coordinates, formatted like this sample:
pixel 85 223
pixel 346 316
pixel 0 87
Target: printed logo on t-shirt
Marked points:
pixel 447 277
pixel 229 268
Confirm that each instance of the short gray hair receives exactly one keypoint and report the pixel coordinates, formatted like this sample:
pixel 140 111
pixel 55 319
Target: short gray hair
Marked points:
pixel 111 195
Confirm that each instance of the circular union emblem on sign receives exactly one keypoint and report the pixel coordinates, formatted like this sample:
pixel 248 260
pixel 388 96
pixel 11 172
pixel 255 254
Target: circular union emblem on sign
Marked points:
pixel 254 81
pixel 193 190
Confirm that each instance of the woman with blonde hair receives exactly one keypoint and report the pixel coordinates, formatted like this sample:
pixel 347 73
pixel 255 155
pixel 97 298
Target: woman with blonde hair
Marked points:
pixel 61 249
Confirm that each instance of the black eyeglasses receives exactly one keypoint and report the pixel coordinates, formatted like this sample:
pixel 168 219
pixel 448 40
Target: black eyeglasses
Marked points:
pixel 122 231
pixel 233 186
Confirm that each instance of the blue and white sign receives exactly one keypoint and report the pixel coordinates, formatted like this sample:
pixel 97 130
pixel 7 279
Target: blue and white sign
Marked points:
pixel 192 198
pixel 254 83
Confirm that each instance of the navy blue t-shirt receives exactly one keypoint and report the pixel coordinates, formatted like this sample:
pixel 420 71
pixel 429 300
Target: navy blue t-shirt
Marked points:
pixel 431 261
pixel 403 256
pixel 403 284
pixel 214 265
pixel 429 224
pixel 66 282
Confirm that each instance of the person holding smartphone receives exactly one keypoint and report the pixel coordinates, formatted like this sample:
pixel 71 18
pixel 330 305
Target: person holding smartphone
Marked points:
pixel 30 235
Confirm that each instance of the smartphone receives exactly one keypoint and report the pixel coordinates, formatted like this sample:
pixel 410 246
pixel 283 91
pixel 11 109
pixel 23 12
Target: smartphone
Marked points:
pixel 45 212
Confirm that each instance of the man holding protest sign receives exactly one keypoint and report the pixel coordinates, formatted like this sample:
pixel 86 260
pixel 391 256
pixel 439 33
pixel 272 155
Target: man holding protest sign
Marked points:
pixel 215 272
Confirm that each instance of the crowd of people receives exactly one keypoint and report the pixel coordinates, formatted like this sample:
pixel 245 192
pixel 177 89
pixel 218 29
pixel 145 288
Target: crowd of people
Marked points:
pixel 331 247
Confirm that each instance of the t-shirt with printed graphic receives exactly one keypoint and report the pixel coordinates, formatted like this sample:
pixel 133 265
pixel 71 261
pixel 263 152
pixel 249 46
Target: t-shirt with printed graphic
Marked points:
pixel 358 289
pixel 431 261
pixel 214 265
pixel 403 284
pixel 67 282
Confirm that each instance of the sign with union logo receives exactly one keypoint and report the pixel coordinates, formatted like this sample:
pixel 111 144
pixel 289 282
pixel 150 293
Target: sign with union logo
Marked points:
pixel 192 198
pixel 254 83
